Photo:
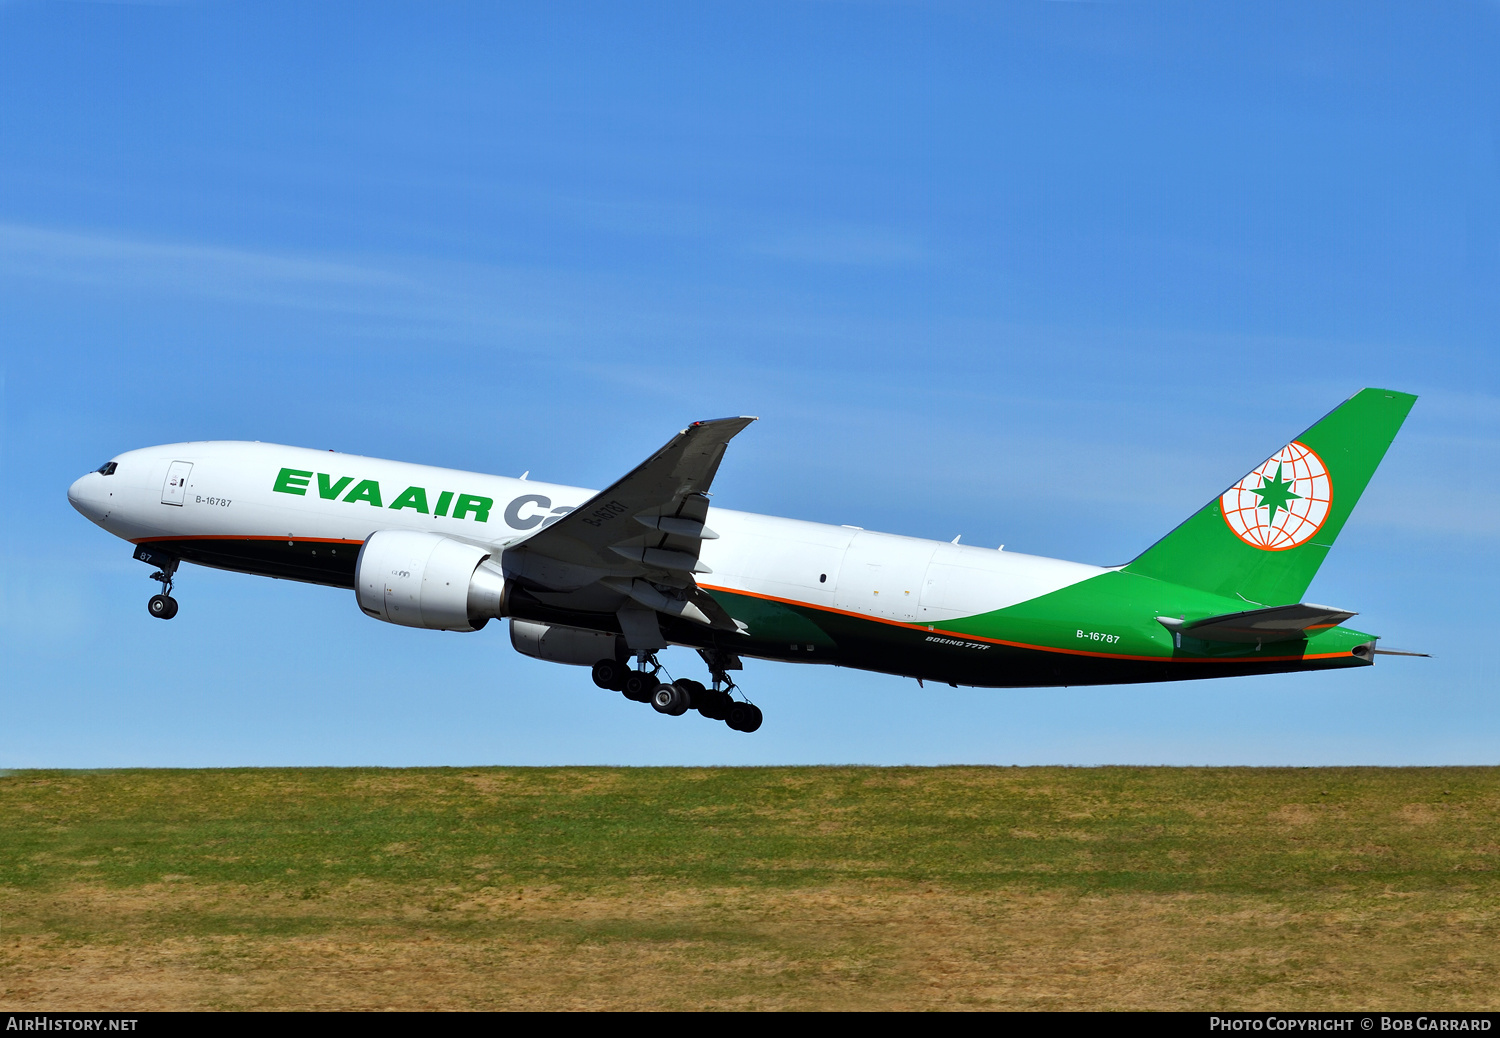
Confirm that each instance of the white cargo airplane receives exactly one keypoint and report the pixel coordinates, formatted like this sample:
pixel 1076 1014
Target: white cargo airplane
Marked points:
pixel 601 579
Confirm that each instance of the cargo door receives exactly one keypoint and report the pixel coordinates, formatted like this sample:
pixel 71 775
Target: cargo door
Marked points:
pixel 882 576
pixel 174 490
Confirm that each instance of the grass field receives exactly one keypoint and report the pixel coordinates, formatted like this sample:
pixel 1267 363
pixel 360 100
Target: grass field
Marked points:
pixel 837 888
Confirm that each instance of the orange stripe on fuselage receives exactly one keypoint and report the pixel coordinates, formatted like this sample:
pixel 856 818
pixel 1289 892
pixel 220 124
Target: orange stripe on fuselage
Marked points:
pixel 247 537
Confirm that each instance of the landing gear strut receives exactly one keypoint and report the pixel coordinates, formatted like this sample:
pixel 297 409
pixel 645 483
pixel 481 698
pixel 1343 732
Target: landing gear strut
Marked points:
pixel 742 717
pixel 640 684
pixel 162 606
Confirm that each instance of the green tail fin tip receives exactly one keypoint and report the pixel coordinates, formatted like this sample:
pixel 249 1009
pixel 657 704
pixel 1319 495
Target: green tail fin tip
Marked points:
pixel 1264 538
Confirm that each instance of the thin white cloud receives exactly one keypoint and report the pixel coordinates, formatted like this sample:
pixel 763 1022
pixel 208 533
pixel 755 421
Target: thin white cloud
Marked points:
pixel 440 301
pixel 200 269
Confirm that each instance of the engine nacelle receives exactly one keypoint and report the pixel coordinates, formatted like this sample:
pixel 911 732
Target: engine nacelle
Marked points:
pixel 427 580
pixel 558 644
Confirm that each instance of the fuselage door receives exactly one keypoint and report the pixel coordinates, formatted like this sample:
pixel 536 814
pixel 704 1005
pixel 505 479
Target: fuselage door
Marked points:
pixel 174 490
pixel 882 575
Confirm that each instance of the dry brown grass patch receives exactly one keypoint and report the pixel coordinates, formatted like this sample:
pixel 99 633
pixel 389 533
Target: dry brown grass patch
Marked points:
pixel 886 945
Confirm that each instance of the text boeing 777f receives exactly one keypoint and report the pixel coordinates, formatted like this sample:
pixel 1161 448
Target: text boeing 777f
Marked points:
pixel 604 579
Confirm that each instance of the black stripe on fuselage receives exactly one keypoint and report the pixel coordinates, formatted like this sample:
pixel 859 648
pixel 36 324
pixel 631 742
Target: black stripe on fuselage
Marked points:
pixel 905 650
pixel 312 561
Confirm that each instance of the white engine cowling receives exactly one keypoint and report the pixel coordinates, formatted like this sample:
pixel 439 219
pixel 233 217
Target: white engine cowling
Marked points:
pixel 427 580
pixel 558 644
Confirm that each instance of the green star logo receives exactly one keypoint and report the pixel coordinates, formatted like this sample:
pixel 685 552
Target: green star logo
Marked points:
pixel 1275 494
pixel 1289 517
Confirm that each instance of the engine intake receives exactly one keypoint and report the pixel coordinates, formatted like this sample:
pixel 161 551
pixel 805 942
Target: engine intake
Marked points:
pixel 426 580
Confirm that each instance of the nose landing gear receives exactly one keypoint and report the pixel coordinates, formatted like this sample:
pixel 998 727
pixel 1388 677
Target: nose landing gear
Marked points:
pixel 162 606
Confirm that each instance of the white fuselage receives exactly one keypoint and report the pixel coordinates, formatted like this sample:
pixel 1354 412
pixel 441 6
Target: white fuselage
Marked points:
pixel 228 490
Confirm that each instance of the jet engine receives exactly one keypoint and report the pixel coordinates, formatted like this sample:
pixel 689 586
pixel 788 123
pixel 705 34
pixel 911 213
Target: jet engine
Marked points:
pixel 558 644
pixel 427 580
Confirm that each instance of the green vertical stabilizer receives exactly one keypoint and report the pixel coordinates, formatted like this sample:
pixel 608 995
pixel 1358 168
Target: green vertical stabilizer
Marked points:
pixel 1264 538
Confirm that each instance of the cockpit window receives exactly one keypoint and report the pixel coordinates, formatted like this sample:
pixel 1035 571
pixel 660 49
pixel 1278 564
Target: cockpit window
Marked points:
pixel 107 469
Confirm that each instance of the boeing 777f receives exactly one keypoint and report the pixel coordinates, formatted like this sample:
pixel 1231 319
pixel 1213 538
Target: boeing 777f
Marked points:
pixel 608 580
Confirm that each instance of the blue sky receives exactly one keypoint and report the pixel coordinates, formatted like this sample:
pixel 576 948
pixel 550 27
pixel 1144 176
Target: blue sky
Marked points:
pixel 1043 274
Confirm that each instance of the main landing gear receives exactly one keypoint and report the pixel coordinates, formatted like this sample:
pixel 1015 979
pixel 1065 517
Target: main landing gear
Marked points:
pixel 676 698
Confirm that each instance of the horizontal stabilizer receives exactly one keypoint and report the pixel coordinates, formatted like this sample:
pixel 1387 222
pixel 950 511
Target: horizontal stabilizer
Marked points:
pixel 1276 624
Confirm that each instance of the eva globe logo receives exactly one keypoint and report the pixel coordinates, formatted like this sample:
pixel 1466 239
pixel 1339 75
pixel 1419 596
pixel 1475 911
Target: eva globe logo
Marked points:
pixel 1282 503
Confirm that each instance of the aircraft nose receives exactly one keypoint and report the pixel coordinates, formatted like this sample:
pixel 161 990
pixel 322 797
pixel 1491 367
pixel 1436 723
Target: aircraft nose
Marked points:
pixel 83 495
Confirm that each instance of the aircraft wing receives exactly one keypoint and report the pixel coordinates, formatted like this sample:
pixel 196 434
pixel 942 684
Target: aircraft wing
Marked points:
pixel 646 529
pixel 1273 624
